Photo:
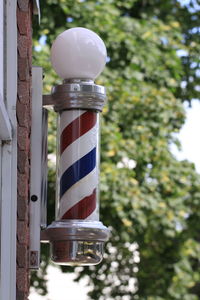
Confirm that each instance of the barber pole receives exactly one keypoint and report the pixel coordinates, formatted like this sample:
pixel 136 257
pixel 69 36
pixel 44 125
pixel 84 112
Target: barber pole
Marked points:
pixel 77 237
pixel 78 165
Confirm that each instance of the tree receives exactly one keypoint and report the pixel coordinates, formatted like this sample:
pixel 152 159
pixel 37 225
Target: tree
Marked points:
pixel 150 200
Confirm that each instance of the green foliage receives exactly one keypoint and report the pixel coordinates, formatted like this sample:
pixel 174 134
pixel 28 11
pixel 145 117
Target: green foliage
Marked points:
pixel 152 208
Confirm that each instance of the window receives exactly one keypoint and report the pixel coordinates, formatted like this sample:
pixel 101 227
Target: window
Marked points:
pixel 5 128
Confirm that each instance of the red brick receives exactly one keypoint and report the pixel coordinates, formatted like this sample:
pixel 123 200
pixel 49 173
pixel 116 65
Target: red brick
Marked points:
pixel 23 162
pixel 23 4
pixel 22 208
pixel 23 114
pixel 22 45
pixel 23 91
pixel 22 185
pixel 23 68
pixel 22 22
pixel 21 295
pixel 30 51
pixel 22 232
pixel 22 256
pixel 23 138
pixel 22 280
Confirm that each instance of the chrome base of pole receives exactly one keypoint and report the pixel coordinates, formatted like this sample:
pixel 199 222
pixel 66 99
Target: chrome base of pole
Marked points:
pixel 77 242
pixel 77 253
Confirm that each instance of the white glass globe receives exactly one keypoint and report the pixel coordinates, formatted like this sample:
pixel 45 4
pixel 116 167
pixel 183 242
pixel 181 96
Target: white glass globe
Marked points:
pixel 78 53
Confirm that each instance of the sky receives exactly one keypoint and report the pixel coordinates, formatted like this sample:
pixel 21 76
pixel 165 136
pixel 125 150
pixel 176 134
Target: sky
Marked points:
pixel 190 137
pixel 61 286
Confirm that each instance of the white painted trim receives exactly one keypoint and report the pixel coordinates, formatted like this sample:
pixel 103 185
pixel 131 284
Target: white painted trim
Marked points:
pixel 5 126
pixel 8 229
pixel 1 93
pixel 36 167
pixel 1 46
pixel 9 161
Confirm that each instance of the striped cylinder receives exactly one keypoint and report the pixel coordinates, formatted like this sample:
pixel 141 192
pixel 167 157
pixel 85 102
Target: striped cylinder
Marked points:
pixel 78 165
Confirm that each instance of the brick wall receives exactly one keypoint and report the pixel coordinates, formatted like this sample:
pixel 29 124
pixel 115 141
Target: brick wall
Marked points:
pixel 24 24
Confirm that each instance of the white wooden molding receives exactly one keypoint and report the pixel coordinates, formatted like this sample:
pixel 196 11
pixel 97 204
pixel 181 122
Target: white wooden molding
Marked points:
pixel 8 185
pixel 5 126
pixel 36 168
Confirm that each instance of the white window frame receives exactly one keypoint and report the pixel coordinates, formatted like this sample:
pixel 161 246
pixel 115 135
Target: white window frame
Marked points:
pixel 5 127
pixel 8 148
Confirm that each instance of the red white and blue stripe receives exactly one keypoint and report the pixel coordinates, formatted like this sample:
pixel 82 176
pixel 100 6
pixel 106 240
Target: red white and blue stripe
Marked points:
pixel 78 170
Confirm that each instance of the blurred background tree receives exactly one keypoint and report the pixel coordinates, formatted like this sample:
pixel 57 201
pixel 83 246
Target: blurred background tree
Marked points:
pixel 150 200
